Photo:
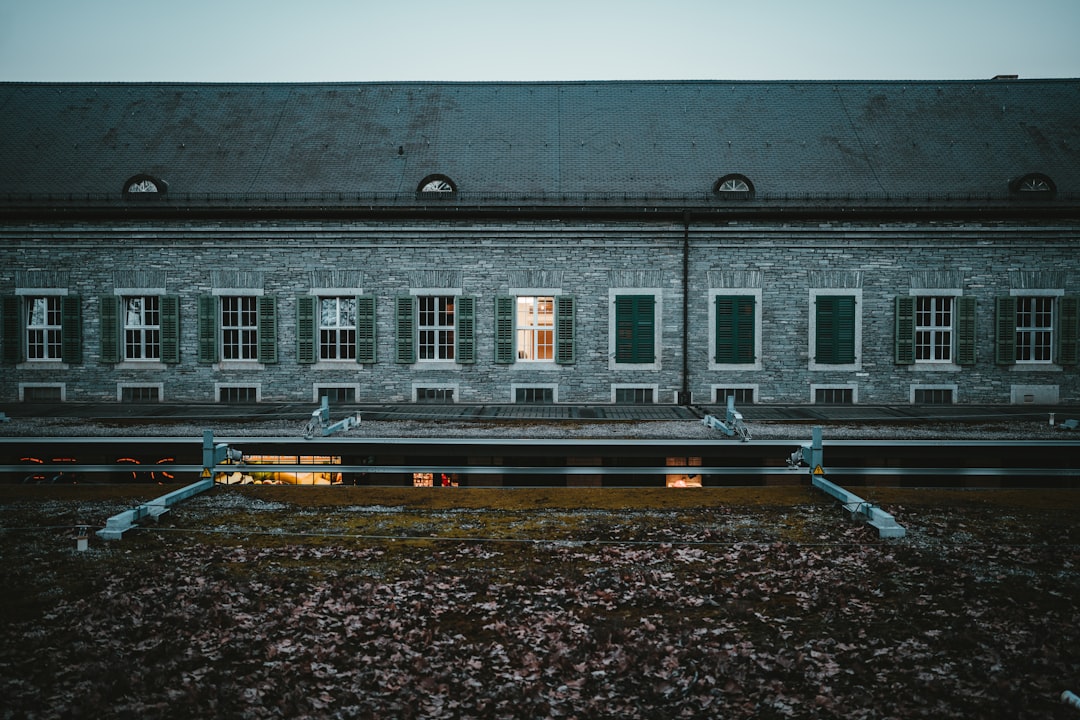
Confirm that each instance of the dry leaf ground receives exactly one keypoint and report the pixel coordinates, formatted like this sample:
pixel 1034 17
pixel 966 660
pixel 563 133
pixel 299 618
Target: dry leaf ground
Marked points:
pixel 468 603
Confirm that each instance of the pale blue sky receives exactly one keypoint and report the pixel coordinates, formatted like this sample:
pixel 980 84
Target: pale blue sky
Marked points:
pixel 362 40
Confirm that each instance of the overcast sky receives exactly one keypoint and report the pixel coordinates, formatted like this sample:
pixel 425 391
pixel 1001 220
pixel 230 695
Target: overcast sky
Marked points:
pixel 367 40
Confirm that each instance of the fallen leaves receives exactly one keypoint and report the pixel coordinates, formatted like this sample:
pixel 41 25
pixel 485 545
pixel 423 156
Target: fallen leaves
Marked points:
pixel 618 628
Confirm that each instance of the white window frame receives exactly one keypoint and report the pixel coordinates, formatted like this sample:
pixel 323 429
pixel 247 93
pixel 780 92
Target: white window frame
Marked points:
pixel 1021 294
pixel 420 294
pixel 337 330
pixel 815 293
pixel 316 388
pixel 224 294
pixel 658 328
pixel 724 367
pixel 533 329
pixel 141 329
pixel 717 387
pixel 29 295
pixel 945 365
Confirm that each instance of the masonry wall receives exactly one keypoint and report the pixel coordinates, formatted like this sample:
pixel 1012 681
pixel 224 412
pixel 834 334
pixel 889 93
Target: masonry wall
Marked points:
pixel 781 263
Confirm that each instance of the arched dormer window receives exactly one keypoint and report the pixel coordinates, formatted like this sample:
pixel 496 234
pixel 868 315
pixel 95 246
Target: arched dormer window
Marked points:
pixel 1032 185
pixel 144 185
pixel 734 185
pixel 436 184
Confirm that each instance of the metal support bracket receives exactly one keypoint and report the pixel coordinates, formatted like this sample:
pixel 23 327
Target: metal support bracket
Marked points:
pixel 731 425
pixel 320 420
pixel 813 456
pixel 118 524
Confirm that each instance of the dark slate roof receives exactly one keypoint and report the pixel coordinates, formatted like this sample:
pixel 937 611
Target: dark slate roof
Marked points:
pixel 655 138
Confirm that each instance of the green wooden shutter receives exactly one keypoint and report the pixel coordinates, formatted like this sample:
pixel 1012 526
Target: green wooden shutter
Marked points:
pixel 405 319
pixel 905 330
pixel 465 331
pixel 307 308
pixel 565 332
pixel 365 329
pixel 267 328
pixel 1005 330
pixel 170 329
pixel 635 328
pixel 735 329
pixel 208 329
pixel 71 329
pixel 835 342
pixel 965 330
pixel 11 328
pixel 111 333
pixel 504 329
pixel 1068 330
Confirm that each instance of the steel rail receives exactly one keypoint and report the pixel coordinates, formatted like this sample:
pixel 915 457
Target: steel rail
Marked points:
pixel 690 470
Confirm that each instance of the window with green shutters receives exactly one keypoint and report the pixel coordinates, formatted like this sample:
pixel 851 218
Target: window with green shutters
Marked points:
pixel 11 328
pixel 1036 329
pixel 465 327
pixel 138 328
pixel 635 329
pixel 405 322
pixel 71 329
pixel 835 329
pixel 934 328
pixel 735 323
pixel 534 328
pixel 237 328
pixel 335 328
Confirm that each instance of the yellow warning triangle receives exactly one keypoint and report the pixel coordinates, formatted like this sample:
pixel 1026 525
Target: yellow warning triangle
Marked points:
pixel 206 472
pixel 818 470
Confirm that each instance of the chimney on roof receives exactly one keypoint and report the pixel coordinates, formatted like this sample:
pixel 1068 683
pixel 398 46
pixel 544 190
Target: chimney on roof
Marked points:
pixel 1006 77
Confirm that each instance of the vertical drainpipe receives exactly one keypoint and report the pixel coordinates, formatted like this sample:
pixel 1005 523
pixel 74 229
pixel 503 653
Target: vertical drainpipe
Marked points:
pixel 685 393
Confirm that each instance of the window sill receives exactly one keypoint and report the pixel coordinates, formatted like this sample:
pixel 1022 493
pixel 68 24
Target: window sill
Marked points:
pixel 226 365
pixel 140 365
pixel 1030 367
pixel 934 367
pixel 435 365
pixel 43 365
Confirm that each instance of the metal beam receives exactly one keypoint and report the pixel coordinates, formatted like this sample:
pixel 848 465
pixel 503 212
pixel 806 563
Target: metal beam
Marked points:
pixel 118 524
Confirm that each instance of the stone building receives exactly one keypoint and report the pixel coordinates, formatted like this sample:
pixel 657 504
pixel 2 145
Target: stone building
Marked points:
pixel 585 242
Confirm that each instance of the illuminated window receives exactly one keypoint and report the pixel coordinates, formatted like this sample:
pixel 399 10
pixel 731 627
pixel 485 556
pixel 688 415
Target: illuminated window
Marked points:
pixel 684 479
pixel 535 324
pixel 290 477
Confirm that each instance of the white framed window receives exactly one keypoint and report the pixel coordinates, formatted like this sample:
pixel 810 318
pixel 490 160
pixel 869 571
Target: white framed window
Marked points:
pixel 239 328
pixel 139 392
pixel 933 328
pixel 435 328
pixel 337 328
pixel 534 393
pixel 238 392
pixel 535 328
pixel 44 328
pixel 834 394
pixel 335 392
pixel 1034 329
pixel 745 394
pixel 933 394
pixel 142 327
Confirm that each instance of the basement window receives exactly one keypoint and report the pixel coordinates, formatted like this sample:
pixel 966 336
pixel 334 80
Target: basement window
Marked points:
pixel 238 394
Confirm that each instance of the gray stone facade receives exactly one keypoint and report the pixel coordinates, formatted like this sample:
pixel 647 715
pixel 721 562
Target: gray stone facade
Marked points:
pixel 782 265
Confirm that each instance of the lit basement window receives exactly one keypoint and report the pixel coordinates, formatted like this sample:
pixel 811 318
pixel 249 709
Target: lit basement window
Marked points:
pixel 249 476
pixel 422 479
pixel 684 480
